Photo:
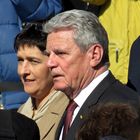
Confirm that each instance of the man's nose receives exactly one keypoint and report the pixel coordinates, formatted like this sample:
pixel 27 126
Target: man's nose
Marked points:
pixel 52 62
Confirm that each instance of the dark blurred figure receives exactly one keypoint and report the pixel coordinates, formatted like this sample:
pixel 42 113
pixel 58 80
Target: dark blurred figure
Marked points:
pixel 110 121
pixel 15 126
pixel 134 66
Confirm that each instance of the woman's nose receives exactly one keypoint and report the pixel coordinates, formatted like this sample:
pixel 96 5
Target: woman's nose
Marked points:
pixel 25 68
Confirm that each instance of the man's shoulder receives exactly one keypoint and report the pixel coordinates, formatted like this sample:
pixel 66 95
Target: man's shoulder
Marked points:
pixel 122 88
pixel 118 92
pixel 118 87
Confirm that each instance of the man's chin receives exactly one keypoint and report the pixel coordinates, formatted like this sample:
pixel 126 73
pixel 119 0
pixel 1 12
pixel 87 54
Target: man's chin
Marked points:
pixel 60 87
pixel 64 89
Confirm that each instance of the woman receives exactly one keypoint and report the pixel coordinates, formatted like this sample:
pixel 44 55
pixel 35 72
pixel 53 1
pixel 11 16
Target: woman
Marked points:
pixel 45 105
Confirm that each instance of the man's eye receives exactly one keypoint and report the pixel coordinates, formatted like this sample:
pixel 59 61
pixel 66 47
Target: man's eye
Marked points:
pixel 59 53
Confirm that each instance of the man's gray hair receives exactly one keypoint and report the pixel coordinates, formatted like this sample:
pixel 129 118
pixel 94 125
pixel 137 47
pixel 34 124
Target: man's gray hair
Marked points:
pixel 86 27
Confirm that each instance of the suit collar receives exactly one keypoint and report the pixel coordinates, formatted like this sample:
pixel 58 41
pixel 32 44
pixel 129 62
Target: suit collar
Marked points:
pixel 99 90
pixel 89 88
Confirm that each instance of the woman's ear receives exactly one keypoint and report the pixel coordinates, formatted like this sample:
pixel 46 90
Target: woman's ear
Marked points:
pixel 95 53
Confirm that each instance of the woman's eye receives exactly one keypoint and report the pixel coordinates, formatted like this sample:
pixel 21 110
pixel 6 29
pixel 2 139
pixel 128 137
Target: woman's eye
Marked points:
pixel 35 61
pixel 20 60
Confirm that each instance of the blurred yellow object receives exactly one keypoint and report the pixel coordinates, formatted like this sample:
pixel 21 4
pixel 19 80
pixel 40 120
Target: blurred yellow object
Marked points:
pixel 120 18
pixel 121 21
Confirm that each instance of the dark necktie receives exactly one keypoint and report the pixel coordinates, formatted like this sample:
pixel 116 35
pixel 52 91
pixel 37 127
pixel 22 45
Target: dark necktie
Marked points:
pixel 70 109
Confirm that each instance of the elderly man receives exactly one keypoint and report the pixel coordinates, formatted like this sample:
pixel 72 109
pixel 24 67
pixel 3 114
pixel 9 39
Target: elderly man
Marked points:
pixel 77 46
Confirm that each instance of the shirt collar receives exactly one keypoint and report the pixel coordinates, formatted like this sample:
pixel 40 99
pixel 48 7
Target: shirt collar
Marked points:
pixel 83 95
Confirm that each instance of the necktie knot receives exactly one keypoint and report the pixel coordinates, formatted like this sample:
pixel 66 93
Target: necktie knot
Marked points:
pixel 72 105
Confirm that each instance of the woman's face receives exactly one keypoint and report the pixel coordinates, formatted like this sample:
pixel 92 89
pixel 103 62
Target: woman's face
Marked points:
pixel 33 71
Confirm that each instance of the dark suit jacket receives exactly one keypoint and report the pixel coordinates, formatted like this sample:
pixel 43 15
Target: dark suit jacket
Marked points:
pixel 134 66
pixel 108 90
pixel 15 126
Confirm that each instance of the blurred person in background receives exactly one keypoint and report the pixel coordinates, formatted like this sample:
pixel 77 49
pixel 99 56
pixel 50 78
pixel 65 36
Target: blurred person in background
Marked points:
pixel 110 121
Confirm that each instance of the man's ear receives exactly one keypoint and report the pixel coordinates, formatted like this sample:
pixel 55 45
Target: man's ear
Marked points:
pixel 95 53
